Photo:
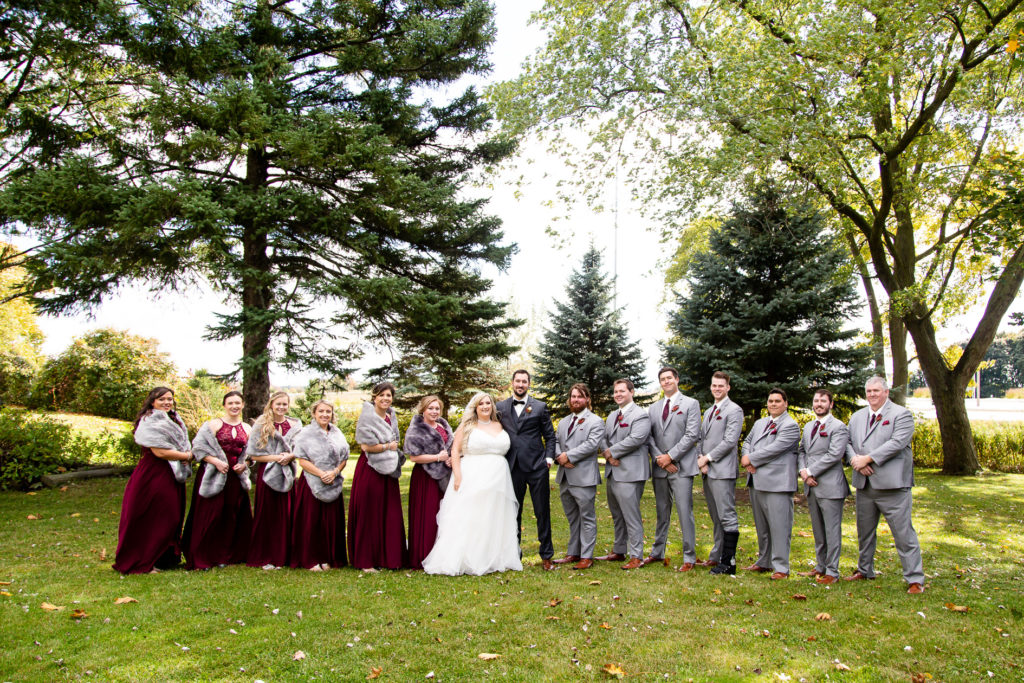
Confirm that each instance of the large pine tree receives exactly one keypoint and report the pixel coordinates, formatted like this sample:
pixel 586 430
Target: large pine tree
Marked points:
pixel 304 157
pixel 585 343
pixel 767 303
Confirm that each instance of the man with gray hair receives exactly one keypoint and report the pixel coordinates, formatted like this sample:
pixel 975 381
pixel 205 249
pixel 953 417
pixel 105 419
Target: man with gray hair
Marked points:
pixel 880 454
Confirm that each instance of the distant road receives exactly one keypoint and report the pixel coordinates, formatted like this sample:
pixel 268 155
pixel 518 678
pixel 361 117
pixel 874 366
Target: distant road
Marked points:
pixel 993 409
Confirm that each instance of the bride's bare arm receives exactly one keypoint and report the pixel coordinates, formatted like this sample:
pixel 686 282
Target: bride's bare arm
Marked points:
pixel 457 459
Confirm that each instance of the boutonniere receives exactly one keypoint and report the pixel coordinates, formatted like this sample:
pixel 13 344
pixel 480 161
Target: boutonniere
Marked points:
pixel 580 420
pixel 885 423
pixel 774 430
pixel 529 409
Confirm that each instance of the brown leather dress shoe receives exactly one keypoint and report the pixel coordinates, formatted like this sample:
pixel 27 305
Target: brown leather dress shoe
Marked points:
pixel 634 563
pixel 779 575
pixel 547 565
pixel 756 568
pixel 813 572
pixel 915 588
pixel 568 559
pixel 650 559
pixel 705 563
pixel 612 557
pixel 585 563
pixel 826 580
pixel 856 576
pixel 685 567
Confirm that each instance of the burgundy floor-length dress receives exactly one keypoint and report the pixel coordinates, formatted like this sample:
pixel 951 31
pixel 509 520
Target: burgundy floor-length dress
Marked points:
pixel 153 507
pixel 376 528
pixel 424 502
pixel 272 519
pixel 318 528
pixel 217 529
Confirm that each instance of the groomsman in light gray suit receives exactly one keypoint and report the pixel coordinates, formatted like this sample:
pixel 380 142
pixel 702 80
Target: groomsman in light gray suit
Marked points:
pixel 820 459
pixel 720 436
pixel 627 469
pixel 769 456
pixel 579 439
pixel 883 474
pixel 675 437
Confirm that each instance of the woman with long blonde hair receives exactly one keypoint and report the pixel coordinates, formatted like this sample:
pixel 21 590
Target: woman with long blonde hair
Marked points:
pixel 476 526
pixel 270 447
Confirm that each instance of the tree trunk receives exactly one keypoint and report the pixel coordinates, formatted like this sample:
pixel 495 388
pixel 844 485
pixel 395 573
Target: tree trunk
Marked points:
pixel 959 454
pixel 898 348
pixel 877 331
pixel 256 299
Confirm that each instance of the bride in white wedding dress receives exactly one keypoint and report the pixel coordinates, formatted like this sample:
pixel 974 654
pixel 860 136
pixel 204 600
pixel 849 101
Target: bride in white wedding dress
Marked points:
pixel 476 526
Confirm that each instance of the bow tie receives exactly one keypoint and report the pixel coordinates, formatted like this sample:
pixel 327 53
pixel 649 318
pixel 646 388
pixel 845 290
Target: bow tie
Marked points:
pixel 518 403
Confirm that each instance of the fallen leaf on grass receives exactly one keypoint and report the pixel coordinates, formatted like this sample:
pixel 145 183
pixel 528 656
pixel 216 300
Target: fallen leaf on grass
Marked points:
pixel 5 583
pixel 103 555
pixel 823 616
pixel 299 655
pixel 920 678
pixel 79 614
pixel 125 600
pixel 375 672
pixel 604 624
pixel 718 591
pixel 614 670
pixel 804 534
pixel 76 514
pixel 799 596
pixel 554 602
pixel 33 517
pixel 594 583
pixel 50 608
pixel 811 639
pixel 63 488
pixel 488 655
pixel 841 667
pixel 956 608
pixel 552 618
pixel 6 594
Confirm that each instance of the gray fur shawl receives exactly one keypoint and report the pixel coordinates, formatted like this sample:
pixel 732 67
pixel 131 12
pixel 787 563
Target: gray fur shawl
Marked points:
pixel 160 430
pixel 372 429
pixel 422 439
pixel 204 445
pixel 278 477
pixel 326 450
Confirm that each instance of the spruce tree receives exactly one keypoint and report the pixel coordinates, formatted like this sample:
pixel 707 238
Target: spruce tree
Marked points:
pixel 585 343
pixel 766 303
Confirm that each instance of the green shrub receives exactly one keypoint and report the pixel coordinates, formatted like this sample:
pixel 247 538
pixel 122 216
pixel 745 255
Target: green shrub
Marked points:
pixel 1000 445
pixel 105 372
pixel 31 447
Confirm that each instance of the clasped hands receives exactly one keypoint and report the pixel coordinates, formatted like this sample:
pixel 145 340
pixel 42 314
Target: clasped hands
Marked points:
pixel 609 458
pixel 863 464
pixel 805 474
pixel 664 461
pixel 746 464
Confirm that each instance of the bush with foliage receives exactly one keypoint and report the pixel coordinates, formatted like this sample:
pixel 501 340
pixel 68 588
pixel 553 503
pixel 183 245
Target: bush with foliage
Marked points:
pixel 1000 445
pixel 105 372
pixel 21 339
pixel 198 398
pixel 31 447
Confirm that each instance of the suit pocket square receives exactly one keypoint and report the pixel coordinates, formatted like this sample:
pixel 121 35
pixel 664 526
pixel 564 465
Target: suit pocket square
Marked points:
pixel 885 423
pixel 719 417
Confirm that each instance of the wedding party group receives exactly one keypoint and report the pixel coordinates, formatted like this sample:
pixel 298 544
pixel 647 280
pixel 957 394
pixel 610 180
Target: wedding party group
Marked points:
pixel 467 487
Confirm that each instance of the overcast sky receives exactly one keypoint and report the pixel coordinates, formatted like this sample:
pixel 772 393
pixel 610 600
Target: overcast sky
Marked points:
pixel 536 277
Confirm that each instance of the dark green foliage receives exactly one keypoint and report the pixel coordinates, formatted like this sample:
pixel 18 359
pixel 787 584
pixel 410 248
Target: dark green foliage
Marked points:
pixel 291 154
pixel 1007 370
pixel 587 342
pixel 766 303
pixel 1000 445
pixel 31 447
pixel 106 372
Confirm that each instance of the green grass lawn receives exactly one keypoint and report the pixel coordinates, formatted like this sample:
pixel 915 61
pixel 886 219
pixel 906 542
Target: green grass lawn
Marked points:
pixel 655 624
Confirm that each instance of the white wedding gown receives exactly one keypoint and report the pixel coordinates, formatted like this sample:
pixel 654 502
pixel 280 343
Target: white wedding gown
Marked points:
pixel 476 526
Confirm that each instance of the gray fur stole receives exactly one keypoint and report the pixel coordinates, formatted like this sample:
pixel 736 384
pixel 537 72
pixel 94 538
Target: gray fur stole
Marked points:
pixel 326 450
pixel 159 430
pixel 372 429
pixel 422 439
pixel 205 444
pixel 278 477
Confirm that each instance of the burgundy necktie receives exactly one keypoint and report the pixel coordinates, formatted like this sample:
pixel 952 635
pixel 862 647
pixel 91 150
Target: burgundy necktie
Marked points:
pixel 618 419
pixel 874 418
pixel 768 426
pixel 814 430
pixel 664 411
pixel 572 426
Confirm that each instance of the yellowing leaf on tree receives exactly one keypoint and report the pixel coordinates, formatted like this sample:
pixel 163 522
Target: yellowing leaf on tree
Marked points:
pixel 50 608
pixel 614 670
pixel 554 602
pixel 823 616
pixel 124 600
pixel 79 614
pixel 299 655
pixel 1012 45
pixel 375 672
pixel 956 608
pixel 488 656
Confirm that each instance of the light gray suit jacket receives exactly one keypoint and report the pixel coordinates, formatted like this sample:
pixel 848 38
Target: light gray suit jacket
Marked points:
pixel 773 453
pixel 679 435
pixel 582 447
pixel 720 438
pixel 823 456
pixel 888 442
pixel 628 444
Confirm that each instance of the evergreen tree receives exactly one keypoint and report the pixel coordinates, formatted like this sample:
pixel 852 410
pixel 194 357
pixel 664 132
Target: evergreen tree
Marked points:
pixel 290 153
pixel 766 304
pixel 585 343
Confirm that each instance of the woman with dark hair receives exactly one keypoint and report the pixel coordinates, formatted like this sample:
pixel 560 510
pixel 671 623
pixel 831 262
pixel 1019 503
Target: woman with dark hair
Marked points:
pixel 153 507
pixel 270 446
pixel 318 508
pixel 376 530
pixel 428 443
pixel 219 521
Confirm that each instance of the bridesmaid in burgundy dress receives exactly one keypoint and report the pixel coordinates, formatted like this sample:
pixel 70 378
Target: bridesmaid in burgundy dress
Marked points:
pixel 218 527
pixel 428 444
pixel 376 530
pixel 318 508
pixel 153 507
pixel 272 516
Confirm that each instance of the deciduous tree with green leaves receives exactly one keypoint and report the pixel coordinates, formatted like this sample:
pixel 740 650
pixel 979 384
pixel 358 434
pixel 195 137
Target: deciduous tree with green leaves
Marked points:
pixel 304 157
pixel 586 342
pixel 903 119
pixel 767 303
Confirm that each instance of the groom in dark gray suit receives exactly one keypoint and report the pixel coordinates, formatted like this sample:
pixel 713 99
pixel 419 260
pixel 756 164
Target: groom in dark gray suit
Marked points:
pixel 528 424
